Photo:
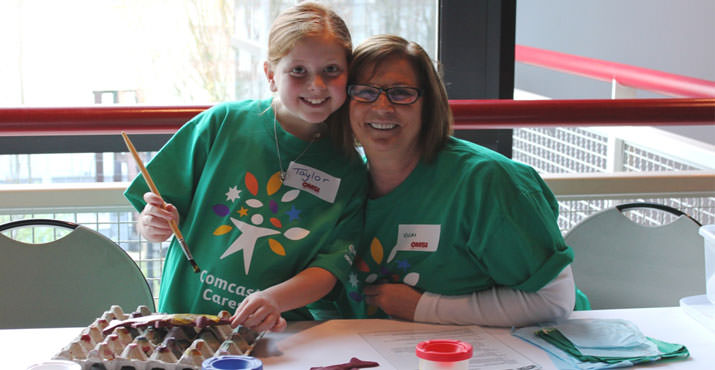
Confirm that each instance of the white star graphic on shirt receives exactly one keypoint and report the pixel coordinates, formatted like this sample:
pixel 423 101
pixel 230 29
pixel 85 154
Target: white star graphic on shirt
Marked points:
pixel 233 193
pixel 353 280
pixel 247 241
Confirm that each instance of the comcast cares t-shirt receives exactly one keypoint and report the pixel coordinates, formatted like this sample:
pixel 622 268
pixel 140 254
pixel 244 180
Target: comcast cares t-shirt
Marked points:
pixel 468 221
pixel 247 229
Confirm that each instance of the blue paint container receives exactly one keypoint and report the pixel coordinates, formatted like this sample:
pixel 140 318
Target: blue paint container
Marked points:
pixel 232 363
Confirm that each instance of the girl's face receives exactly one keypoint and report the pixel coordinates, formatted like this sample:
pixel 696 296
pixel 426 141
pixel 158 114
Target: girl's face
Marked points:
pixel 310 81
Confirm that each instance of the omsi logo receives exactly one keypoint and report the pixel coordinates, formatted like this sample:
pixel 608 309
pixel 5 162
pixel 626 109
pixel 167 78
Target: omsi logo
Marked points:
pixel 311 187
pixel 419 245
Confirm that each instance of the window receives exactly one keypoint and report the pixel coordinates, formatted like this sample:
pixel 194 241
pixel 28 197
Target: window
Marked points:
pixel 83 52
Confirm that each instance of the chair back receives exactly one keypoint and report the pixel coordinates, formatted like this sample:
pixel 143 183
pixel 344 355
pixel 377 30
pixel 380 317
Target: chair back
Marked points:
pixel 67 282
pixel 619 263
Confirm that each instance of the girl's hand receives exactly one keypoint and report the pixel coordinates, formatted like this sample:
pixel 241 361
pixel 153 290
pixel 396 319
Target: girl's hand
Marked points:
pixel 259 311
pixel 396 300
pixel 153 221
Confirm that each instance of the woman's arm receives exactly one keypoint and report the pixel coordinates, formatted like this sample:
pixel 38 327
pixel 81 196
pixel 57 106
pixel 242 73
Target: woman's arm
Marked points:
pixel 501 306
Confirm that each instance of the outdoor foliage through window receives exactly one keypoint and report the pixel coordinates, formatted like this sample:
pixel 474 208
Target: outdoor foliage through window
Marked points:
pixel 83 52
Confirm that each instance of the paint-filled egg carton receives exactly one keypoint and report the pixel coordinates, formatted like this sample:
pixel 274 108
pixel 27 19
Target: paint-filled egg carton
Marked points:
pixel 142 340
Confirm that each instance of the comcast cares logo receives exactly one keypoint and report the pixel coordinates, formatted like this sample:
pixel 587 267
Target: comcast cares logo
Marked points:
pixel 374 267
pixel 250 218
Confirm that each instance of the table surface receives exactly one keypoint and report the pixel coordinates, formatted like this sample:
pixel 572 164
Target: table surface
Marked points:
pixel 306 344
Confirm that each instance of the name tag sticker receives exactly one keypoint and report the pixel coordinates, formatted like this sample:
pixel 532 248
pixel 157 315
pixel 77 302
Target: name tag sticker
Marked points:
pixel 417 238
pixel 316 182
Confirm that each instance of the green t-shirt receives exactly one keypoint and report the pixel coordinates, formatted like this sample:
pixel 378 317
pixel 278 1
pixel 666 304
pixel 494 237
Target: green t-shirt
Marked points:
pixel 470 220
pixel 246 229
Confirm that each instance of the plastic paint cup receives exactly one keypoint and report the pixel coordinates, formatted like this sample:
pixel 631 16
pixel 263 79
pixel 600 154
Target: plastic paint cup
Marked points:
pixel 56 365
pixel 232 363
pixel 442 354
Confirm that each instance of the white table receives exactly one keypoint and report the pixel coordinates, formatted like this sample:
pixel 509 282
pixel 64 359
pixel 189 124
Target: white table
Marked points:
pixel 306 344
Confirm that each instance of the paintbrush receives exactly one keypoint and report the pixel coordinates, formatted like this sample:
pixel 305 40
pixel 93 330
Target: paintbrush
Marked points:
pixel 253 345
pixel 154 190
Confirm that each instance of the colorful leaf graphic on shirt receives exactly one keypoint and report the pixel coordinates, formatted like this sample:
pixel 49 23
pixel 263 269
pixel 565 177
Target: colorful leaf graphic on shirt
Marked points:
pixel 376 250
pixel 254 203
pixel 296 233
pixel 411 279
pixel 251 232
pixel 391 271
pixel 223 229
pixel 276 247
pixel 274 183
pixel 371 278
pixel 221 209
pixel 290 195
pixel 360 265
pixel 251 183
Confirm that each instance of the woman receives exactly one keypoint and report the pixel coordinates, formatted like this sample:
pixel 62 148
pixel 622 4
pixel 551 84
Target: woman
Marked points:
pixel 455 233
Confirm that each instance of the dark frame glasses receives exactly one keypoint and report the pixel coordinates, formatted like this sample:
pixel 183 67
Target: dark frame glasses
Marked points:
pixel 402 95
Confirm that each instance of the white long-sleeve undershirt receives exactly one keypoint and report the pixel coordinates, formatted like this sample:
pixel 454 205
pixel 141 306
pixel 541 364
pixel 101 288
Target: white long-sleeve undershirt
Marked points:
pixel 501 306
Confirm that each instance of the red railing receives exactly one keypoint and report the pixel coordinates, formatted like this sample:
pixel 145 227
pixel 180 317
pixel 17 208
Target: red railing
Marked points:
pixel 469 114
pixel 641 78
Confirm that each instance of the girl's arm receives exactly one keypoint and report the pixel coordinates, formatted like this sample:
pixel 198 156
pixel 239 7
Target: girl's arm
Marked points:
pixel 262 310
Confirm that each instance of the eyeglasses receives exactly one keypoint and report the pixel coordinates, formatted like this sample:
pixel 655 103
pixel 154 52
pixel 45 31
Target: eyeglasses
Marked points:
pixel 396 95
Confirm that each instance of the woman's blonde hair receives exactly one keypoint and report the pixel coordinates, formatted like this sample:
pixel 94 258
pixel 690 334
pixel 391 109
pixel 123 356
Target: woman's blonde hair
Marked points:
pixel 437 118
pixel 304 20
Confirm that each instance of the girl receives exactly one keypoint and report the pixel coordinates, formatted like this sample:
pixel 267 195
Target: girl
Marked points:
pixel 269 208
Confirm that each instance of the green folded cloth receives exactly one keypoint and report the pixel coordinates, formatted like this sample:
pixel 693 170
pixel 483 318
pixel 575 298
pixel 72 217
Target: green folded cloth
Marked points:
pixel 665 349
pixel 590 344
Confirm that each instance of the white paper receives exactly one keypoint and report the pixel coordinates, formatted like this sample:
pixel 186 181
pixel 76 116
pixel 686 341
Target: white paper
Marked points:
pixel 416 238
pixel 391 343
pixel 398 347
pixel 313 181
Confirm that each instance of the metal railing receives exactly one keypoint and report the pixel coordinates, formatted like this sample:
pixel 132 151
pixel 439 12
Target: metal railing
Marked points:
pixel 642 78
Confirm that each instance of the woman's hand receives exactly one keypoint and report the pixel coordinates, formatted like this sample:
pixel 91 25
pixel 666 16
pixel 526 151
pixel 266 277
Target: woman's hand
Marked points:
pixel 259 311
pixel 153 221
pixel 396 300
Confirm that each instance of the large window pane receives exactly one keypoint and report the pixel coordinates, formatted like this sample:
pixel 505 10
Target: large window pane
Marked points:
pixel 82 52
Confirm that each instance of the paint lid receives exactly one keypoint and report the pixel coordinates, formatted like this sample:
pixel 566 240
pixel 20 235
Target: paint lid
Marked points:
pixel 230 362
pixel 55 365
pixel 444 350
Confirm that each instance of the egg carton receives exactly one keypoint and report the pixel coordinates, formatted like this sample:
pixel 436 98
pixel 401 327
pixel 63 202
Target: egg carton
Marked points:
pixel 142 340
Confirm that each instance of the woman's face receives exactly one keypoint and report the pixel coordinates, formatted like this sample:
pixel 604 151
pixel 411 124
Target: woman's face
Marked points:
pixel 381 126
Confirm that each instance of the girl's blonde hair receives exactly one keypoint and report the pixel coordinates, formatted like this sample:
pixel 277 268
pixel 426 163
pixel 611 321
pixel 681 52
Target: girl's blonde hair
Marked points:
pixel 304 20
